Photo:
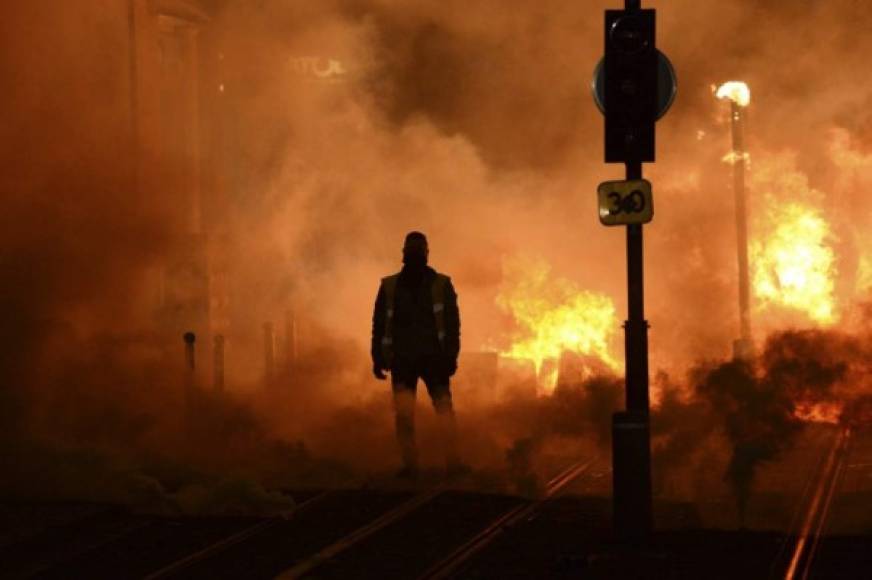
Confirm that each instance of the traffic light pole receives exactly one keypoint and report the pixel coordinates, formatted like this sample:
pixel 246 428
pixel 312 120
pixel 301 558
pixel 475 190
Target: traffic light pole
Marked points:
pixel 631 447
pixel 636 327
pixel 631 451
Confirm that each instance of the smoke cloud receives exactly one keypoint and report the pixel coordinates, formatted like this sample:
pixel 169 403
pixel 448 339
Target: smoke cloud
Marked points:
pixel 331 129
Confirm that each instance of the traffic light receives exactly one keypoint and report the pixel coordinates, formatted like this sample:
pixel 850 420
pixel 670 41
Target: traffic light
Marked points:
pixel 630 85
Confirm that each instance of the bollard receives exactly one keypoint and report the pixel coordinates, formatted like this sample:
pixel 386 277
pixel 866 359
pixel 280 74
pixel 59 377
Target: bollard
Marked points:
pixel 290 339
pixel 218 364
pixel 631 479
pixel 190 365
pixel 190 338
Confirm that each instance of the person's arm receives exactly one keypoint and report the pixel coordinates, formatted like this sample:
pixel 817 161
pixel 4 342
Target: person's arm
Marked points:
pixel 378 329
pixel 452 325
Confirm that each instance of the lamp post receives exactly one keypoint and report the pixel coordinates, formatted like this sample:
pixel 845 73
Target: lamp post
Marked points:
pixel 739 96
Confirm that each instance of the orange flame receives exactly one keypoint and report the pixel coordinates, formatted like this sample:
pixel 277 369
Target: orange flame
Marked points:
pixel 818 412
pixel 794 266
pixel 554 316
pixel 792 251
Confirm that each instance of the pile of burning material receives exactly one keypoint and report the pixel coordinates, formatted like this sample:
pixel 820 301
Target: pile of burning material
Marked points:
pixel 553 317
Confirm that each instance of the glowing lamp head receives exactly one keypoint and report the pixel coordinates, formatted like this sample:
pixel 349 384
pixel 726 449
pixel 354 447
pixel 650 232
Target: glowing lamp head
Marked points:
pixel 736 91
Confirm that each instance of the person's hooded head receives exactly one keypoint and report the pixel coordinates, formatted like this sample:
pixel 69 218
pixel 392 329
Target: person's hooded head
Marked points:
pixel 415 250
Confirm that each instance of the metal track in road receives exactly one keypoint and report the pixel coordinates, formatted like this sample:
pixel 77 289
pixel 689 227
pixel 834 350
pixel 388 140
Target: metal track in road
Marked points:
pixel 24 559
pixel 807 541
pixel 331 551
pixel 218 547
pixel 461 555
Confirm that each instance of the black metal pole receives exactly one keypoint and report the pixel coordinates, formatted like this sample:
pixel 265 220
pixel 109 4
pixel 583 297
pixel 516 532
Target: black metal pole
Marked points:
pixel 636 327
pixel 631 452
pixel 190 380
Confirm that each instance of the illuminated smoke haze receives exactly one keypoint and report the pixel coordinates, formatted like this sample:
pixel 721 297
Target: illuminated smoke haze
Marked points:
pixel 469 122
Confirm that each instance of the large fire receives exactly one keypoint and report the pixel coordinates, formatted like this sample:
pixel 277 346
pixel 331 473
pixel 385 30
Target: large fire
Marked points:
pixel 794 265
pixel 554 316
pixel 792 248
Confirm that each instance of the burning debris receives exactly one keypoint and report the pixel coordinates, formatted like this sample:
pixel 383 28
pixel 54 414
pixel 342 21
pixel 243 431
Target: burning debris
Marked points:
pixel 554 317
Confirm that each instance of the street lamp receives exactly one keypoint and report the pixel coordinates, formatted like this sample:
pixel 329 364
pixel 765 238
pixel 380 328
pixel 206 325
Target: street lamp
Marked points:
pixel 739 96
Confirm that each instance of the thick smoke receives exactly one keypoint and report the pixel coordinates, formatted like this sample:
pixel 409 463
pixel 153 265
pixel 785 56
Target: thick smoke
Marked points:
pixel 757 405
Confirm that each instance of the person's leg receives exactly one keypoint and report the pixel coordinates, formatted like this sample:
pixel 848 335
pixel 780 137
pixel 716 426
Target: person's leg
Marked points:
pixel 439 389
pixel 404 386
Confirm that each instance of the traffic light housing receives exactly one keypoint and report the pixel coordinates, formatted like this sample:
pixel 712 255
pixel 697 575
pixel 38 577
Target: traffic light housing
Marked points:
pixel 630 85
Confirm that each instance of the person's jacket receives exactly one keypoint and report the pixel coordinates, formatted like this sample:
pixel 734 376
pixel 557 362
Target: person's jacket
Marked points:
pixel 409 325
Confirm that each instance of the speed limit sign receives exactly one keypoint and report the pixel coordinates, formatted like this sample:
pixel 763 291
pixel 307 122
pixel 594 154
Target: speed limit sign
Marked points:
pixel 625 202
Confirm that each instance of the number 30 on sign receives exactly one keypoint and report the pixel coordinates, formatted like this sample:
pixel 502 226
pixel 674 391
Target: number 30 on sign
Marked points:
pixel 625 202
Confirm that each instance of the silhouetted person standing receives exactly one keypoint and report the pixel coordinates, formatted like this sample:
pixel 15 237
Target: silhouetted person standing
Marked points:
pixel 416 334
